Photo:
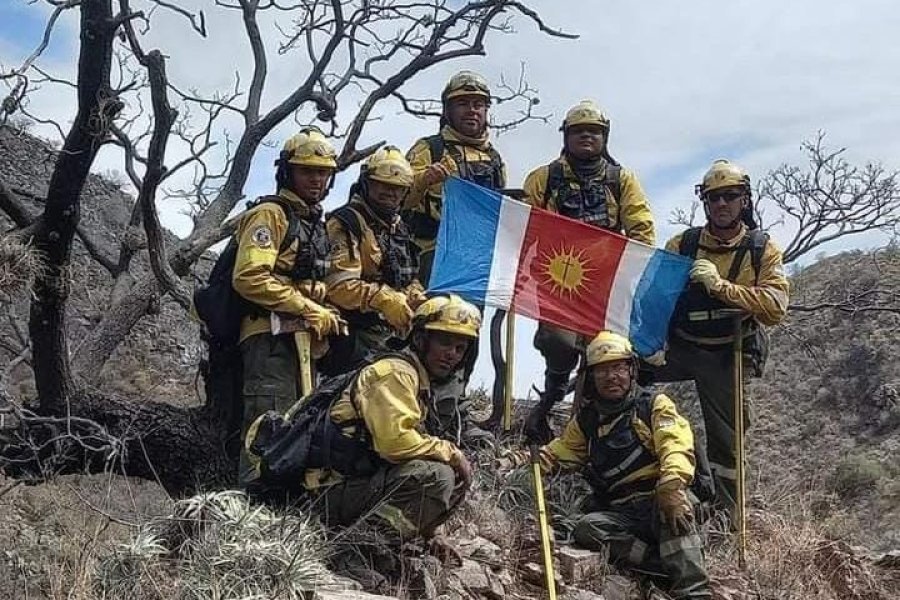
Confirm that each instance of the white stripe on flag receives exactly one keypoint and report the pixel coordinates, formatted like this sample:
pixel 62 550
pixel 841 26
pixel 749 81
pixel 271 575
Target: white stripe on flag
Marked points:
pixel 507 248
pixel 628 275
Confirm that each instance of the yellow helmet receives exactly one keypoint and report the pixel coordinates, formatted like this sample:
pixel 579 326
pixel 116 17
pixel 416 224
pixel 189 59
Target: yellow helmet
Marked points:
pixel 388 165
pixel 585 112
pixel 450 314
pixel 309 148
pixel 608 347
pixel 466 83
pixel 722 174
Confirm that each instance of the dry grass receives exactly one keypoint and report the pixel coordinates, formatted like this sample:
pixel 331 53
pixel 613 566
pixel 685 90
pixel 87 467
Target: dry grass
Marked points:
pixel 20 263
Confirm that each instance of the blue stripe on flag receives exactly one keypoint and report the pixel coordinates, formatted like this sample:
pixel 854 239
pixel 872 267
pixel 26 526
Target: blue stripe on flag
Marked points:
pixel 661 284
pixel 465 241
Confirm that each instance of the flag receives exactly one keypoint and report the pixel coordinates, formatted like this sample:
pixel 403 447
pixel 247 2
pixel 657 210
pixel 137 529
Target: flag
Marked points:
pixel 495 251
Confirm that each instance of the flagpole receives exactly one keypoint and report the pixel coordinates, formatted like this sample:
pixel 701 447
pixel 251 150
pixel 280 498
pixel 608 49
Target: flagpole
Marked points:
pixel 510 353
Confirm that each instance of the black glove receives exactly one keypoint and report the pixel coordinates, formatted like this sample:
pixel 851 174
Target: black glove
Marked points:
pixel 537 427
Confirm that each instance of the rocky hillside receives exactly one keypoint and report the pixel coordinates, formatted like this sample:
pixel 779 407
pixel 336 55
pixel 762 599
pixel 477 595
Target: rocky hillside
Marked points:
pixel 823 445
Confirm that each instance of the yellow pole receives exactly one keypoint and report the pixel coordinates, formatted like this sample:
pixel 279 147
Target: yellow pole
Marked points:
pixel 543 521
pixel 304 353
pixel 740 501
pixel 510 365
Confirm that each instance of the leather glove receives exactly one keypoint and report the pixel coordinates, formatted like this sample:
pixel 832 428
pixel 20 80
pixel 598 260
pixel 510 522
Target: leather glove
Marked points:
pixel 314 290
pixel 394 309
pixel 706 274
pixel 323 321
pixel 675 509
pixel 537 427
pixel 657 359
pixel 415 296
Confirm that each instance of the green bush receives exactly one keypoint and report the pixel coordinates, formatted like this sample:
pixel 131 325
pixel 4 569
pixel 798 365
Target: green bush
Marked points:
pixel 856 475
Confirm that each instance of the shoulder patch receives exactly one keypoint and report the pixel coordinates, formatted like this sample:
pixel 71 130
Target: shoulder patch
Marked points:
pixel 262 236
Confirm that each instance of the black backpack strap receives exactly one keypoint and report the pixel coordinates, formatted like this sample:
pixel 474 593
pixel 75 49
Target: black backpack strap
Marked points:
pixel 643 407
pixel 435 146
pixel 555 177
pixel 758 241
pixel 496 167
pixel 614 180
pixel 690 242
pixel 588 420
pixel 350 220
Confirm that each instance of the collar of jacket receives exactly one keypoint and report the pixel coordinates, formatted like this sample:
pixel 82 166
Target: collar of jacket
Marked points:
pixel 302 207
pixel 584 169
pixel 708 240
pixel 370 214
pixel 424 379
pixel 451 135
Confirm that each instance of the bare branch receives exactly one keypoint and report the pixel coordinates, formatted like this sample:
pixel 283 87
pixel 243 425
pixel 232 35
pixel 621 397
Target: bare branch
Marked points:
pixel 832 199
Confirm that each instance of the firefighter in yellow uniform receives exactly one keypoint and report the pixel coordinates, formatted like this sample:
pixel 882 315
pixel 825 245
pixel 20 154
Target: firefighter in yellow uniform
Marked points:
pixel 585 183
pixel 372 273
pixel 280 263
pixel 736 266
pixel 637 454
pixel 462 149
pixel 400 474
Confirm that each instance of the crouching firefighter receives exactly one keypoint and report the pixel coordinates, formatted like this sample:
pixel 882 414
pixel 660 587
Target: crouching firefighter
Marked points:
pixel 736 266
pixel 282 252
pixel 637 454
pixel 360 443
pixel 373 262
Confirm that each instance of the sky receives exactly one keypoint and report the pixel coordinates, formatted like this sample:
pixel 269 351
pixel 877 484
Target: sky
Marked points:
pixel 683 83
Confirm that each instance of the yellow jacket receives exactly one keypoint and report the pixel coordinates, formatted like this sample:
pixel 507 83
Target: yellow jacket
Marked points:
pixel 390 394
pixel 631 211
pixel 427 199
pixel 259 234
pixel 670 440
pixel 354 273
pixel 767 299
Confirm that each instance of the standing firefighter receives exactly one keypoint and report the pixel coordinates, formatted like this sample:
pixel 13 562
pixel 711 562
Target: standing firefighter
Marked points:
pixel 461 149
pixel 637 454
pixel 281 258
pixel 736 266
pixel 585 183
pixel 387 464
pixel 373 266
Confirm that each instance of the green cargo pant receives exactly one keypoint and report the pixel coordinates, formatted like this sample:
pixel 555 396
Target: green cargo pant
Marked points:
pixel 271 372
pixel 636 537
pixel 713 374
pixel 411 499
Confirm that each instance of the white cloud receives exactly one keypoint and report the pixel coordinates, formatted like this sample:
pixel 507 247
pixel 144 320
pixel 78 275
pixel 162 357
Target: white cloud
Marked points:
pixel 684 83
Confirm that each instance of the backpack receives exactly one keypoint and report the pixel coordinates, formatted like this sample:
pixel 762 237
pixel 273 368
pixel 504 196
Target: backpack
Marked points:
pixel 703 484
pixel 306 437
pixel 756 342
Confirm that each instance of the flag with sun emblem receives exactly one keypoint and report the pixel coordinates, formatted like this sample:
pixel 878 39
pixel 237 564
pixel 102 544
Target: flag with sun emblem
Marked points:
pixel 495 251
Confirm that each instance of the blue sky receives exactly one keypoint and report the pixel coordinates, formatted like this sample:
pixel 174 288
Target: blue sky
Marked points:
pixel 683 83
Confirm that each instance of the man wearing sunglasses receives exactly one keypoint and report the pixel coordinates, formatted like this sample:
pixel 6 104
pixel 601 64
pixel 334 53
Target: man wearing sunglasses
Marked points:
pixel 736 266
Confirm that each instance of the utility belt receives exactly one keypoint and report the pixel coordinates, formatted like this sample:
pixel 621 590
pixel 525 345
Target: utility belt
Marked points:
pixel 755 344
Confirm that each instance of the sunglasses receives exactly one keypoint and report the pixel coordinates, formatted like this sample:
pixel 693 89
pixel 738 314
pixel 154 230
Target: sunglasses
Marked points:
pixel 728 196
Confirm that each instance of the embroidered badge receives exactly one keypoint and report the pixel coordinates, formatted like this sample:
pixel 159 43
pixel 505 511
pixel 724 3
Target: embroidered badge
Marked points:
pixel 262 236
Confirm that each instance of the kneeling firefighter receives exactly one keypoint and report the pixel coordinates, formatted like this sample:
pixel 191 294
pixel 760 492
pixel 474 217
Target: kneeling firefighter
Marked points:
pixel 637 454
pixel 360 443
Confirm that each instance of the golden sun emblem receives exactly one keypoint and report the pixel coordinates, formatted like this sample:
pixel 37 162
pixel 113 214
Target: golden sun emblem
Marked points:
pixel 565 270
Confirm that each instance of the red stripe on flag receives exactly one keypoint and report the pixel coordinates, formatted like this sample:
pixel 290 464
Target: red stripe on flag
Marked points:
pixel 566 272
